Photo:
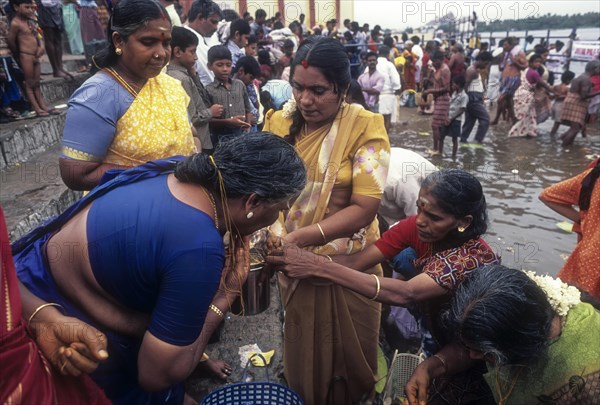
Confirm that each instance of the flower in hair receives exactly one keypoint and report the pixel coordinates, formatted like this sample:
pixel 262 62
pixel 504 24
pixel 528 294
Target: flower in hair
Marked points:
pixel 561 296
pixel 289 108
pixel 304 63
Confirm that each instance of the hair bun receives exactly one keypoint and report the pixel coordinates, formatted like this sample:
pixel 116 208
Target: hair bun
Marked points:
pixel 197 169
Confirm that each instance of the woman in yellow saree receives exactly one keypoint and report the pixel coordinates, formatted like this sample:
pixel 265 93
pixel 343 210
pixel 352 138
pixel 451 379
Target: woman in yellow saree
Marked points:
pixel 129 112
pixel 330 333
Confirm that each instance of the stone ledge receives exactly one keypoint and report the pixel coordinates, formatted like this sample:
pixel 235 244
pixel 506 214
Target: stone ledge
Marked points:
pixel 22 140
pixel 32 192
pixel 57 89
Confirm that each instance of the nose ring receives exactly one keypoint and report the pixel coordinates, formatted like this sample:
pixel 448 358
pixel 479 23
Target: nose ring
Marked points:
pixel 156 56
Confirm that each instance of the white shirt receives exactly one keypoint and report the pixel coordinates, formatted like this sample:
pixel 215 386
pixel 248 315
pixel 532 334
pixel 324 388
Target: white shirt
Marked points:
pixel 417 50
pixel 175 20
pixel 405 175
pixel 390 74
pixel 204 44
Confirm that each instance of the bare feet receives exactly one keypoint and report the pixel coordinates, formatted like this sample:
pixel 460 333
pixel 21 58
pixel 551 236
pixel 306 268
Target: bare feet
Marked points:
pixel 64 74
pixel 215 368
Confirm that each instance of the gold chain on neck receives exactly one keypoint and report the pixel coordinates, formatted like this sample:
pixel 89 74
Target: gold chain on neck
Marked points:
pixel 211 198
pixel 134 93
pixel 502 398
pixel 122 81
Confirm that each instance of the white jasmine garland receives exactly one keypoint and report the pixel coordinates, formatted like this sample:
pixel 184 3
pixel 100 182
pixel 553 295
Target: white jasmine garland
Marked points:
pixel 562 296
pixel 289 108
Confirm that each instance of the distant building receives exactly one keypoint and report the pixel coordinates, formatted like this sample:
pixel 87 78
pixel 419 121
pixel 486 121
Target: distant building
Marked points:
pixel 316 11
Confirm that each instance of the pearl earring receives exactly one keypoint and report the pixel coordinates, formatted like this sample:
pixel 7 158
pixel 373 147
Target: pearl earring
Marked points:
pixel 119 51
pixel 461 229
pixel 250 215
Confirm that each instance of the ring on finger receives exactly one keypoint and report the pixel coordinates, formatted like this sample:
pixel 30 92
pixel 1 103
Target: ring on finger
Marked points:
pixel 63 366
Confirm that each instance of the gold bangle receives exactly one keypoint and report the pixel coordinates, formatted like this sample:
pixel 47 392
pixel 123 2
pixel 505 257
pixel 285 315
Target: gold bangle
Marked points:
pixel 378 288
pixel 38 309
pixel 329 257
pixel 321 230
pixel 216 310
pixel 204 358
pixel 441 359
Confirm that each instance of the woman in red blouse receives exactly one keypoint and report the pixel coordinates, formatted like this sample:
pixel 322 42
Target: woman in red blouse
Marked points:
pixel 446 235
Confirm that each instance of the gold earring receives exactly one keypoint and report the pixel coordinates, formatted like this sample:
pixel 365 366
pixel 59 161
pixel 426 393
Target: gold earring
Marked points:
pixel 461 229
pixel 119 51
pixel 250 215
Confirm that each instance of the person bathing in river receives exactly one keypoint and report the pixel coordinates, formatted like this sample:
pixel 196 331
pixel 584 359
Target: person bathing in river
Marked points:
pixel 575 107
pixel 560 92
pixel 513 62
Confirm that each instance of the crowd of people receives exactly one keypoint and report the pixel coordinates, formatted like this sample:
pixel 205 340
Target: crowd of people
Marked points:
pixel 30 29
pixel 196 131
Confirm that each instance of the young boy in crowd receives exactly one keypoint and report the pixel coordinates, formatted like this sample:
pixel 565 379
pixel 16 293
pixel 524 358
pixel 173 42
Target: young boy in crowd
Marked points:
pixel 25 43
pixel 183 57
pixel 246 70
pixel 251 47
pixel 560 91
pixel 231 94
pixel 458 105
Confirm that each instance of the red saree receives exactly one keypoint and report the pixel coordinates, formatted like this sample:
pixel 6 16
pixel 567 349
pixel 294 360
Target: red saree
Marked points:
pixel 25 375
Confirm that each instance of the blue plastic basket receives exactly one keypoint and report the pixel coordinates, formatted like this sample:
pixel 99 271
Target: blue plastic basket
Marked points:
pixel 253 393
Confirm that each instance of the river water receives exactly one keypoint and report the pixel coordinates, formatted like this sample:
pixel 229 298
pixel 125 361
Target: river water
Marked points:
pixel 513 172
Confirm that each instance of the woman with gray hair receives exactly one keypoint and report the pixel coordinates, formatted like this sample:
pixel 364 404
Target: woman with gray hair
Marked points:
pixel 540 342
pixel 446 238
pixel 142 258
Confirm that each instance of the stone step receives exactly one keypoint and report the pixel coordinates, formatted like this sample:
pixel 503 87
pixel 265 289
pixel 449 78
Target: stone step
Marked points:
pixel 71 63
pixel 32 192
pixel 57 89
pixel 20 141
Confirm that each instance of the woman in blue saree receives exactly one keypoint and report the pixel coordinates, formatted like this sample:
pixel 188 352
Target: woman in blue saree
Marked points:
pixel 142 257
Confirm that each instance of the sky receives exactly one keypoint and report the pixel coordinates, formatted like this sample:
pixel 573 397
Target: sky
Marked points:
pixel 397 14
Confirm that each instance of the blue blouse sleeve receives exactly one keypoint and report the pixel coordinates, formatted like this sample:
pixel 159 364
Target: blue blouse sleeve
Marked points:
pixel 189 283
pixel 94 109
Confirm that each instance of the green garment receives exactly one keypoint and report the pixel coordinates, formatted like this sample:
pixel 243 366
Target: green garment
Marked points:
pixel 72 28
pixel 570 374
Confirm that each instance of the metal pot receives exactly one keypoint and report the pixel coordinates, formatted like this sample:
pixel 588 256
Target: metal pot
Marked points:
pixel 256 292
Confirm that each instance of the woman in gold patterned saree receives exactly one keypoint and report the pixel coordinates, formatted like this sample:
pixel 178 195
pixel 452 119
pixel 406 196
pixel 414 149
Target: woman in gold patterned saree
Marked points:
pixel 129 112
pixel 331 333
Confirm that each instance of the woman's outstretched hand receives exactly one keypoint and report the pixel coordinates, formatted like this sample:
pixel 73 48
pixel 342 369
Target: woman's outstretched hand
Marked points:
pixel 295 262
pixel 418 385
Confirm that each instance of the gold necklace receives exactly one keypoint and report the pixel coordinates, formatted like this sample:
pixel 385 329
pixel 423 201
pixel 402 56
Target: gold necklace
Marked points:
pixel 122 81
pixel 503 398
pixel 134 92
pixel 214 206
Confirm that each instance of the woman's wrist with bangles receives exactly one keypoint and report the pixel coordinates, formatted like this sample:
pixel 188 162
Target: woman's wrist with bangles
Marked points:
pixel 41 310
pixel 440 366
pixel 322 233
